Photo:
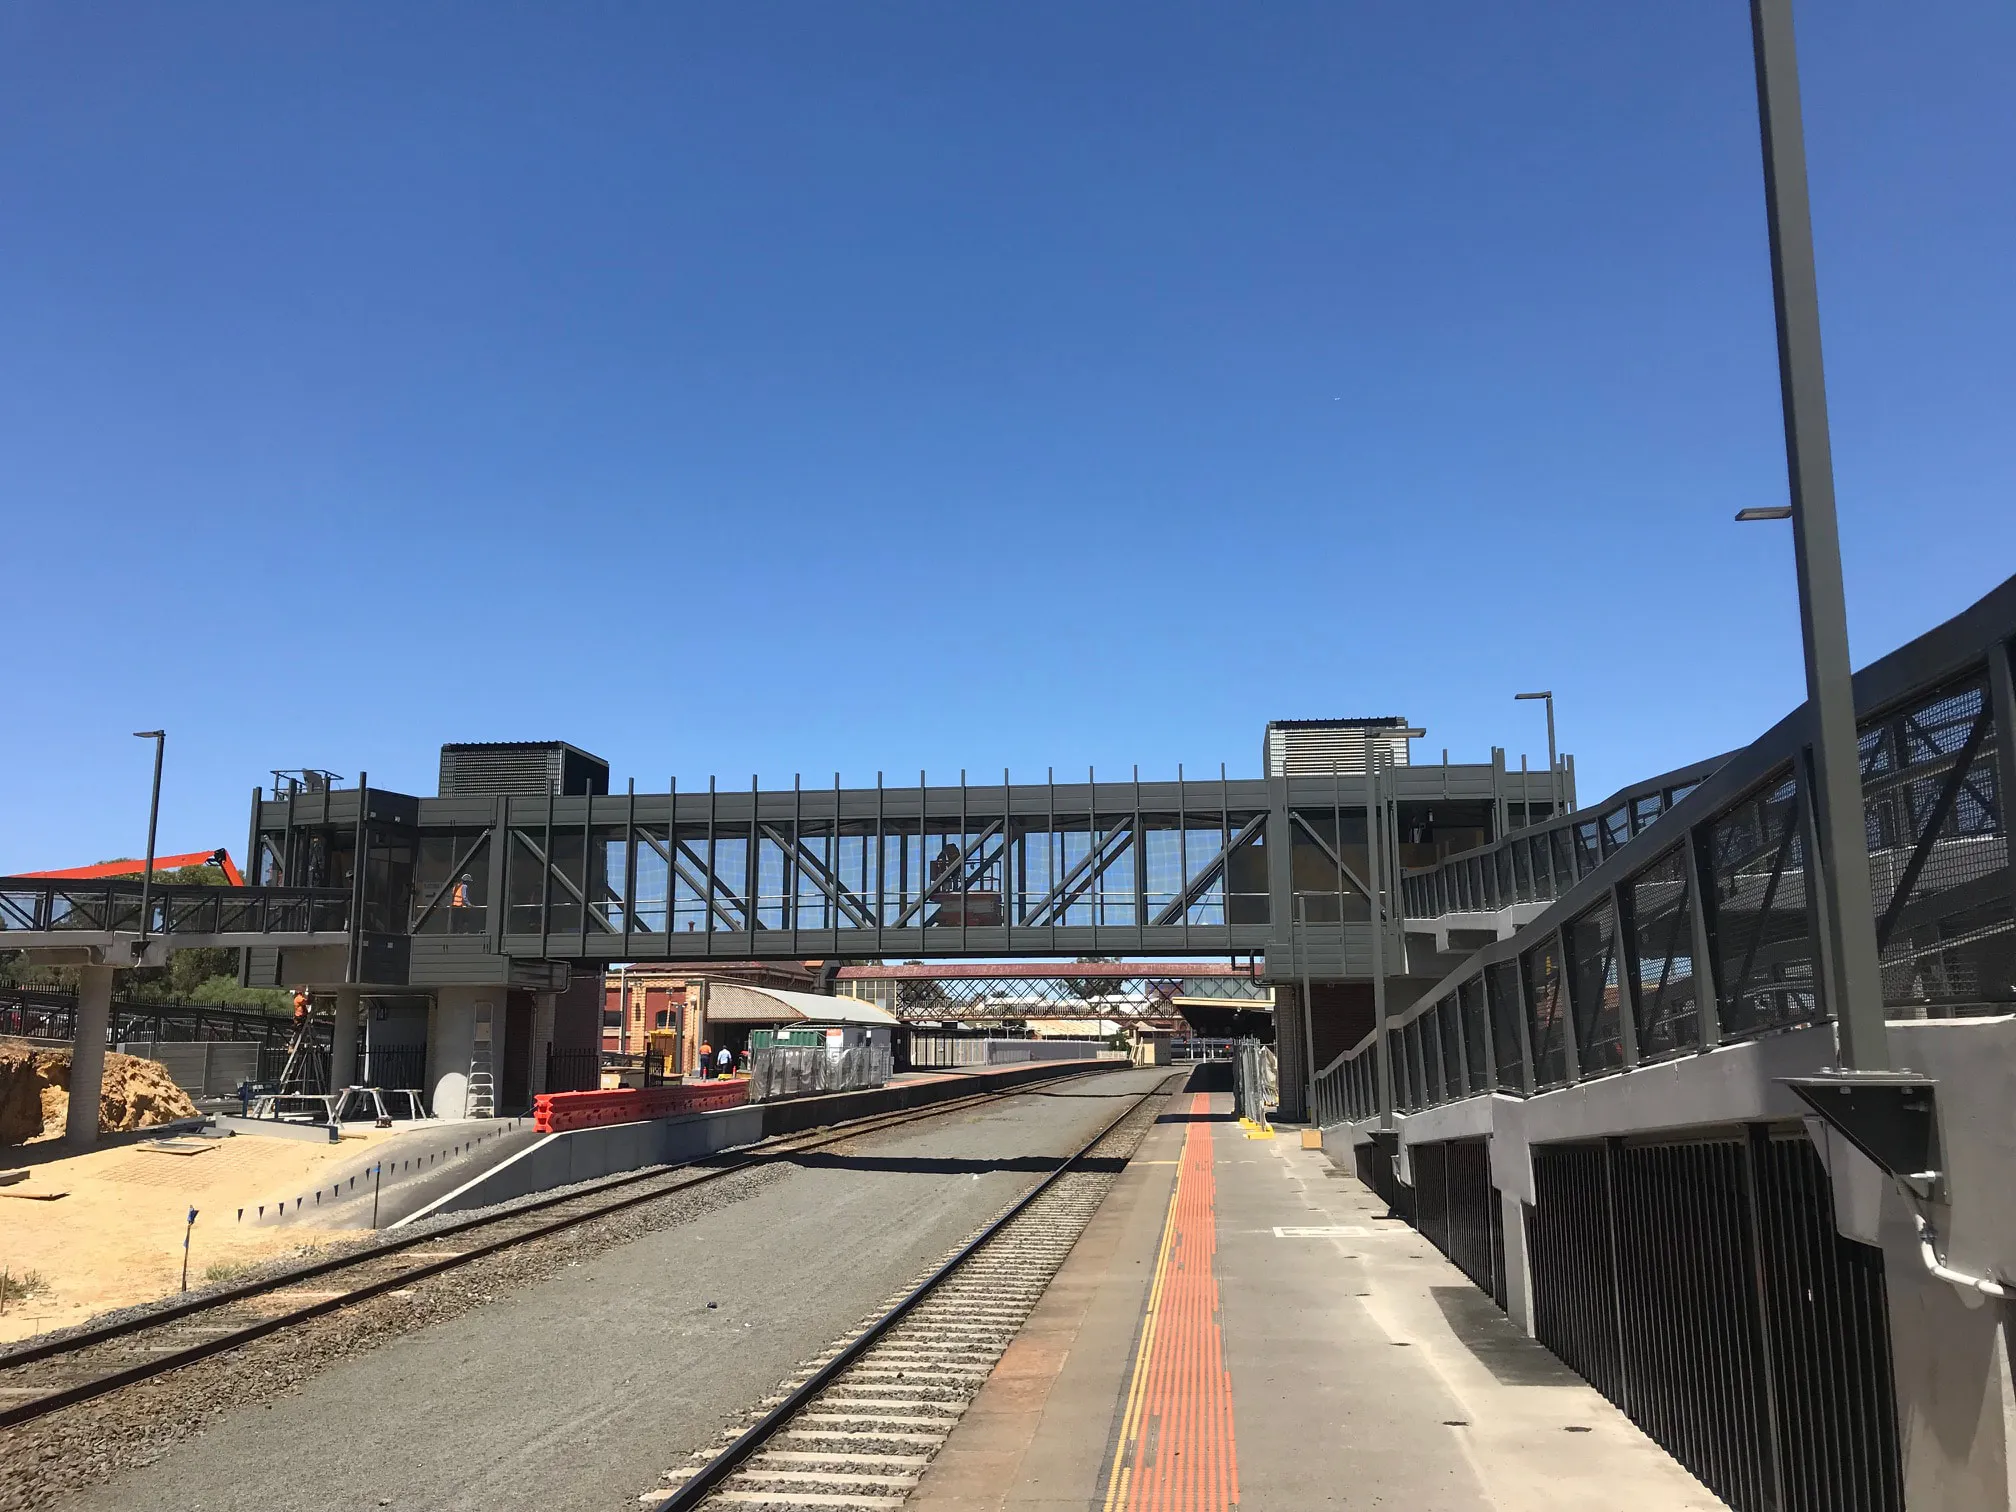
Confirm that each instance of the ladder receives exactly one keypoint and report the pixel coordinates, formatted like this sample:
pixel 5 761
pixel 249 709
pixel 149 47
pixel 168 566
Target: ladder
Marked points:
pixel 302 1073
pixel 482 1085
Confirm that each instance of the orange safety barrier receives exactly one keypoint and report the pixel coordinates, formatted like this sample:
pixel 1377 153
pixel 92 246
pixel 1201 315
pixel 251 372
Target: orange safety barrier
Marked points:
pixel 557 1112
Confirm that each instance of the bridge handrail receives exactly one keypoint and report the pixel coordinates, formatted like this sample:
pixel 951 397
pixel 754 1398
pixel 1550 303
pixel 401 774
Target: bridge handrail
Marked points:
pixel 1699 929
pixel 39 905
pixel 1536 863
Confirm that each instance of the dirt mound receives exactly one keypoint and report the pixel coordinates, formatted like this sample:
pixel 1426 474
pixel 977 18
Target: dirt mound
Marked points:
pixel 35 1093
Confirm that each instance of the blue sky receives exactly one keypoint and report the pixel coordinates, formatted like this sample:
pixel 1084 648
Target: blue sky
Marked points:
pixel 792 388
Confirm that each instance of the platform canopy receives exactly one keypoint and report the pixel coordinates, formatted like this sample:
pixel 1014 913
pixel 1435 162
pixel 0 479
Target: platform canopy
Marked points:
pixel 737 1003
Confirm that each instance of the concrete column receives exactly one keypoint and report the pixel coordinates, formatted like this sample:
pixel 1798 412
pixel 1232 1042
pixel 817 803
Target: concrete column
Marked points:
pixel 1949 1360
pixel 343 1042
pixel 1518 1274
pixel 1291 1061
pixel 432 1056
pixel 87 1055
pixel 451 1044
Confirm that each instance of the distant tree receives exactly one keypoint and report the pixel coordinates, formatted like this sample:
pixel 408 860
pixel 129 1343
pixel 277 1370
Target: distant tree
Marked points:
pixel 202 974
pixel 1094 989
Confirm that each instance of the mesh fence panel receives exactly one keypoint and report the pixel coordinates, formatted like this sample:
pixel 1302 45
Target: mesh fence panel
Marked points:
pixel 1763 946
pixel 1662 950
pixel 1939 855
pixel 1544 1014
pixel 1476 1033
pixel 1452 1051
pixel 1501 988
pixel 1594 990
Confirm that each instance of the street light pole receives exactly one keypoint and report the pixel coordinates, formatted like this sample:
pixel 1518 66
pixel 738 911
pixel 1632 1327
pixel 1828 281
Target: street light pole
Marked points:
pixel 1553 762
pixel 160 739
pixel 1842 860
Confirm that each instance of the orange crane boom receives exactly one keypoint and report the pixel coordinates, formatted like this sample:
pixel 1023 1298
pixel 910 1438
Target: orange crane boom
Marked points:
pixel 218 858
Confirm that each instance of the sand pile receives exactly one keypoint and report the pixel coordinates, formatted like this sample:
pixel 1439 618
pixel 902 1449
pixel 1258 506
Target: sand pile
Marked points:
pixel 35 1093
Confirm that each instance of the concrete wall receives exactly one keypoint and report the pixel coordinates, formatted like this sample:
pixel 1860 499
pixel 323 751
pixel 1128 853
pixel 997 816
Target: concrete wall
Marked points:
pixel 202 1068
pixel 585 1154
pixel 1950 1348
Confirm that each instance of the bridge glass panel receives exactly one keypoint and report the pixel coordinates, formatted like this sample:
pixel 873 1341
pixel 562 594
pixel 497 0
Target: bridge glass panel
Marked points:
pixel 772 904
pixel 566 911
pixel 1522 870
pixel 691 908
pixel 388 881
pixel 1546 1015
pixel 1507 889
pixel 1417 1062
pixel 1659 933
pixel 608 859
pixel 524 881
pixel 1758 924
pixel 651 887
pixel 1501 998
pixel 1594 991
pixel 1939 855
pixel 1477 1044
pixel 452 882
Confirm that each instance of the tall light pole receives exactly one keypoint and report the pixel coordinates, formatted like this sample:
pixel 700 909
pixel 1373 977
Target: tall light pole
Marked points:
pixel 1841 862
pixel 1553 762
pixel 160 739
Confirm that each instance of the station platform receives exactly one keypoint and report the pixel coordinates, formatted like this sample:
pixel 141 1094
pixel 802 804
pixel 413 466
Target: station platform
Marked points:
pixel 1241 1326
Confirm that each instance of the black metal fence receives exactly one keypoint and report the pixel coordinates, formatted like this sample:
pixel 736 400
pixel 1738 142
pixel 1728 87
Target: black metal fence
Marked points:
pixel 1377 1164
pixel 36 1014
pixel 1702 1287
pixel 573 1070
pixel 1454 1205
pixel 400 1068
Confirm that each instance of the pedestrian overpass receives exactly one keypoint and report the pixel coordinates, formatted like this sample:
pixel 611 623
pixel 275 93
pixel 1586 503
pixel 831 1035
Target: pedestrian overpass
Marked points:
pixel 1588 1052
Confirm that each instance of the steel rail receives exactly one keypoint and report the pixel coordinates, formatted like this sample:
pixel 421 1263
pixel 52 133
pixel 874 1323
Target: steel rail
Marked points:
pixel 750 1157
pixel 706 1480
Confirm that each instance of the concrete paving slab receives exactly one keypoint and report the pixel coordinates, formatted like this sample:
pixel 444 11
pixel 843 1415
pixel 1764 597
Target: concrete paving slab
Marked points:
pixel 1364 1369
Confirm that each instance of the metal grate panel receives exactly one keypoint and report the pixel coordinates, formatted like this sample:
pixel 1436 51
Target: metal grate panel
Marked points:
pixel 1701 1286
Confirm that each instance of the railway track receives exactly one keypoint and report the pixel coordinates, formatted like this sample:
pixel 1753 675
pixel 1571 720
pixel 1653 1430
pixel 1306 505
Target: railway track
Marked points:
pixel 40 1378
pixel 855 1428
